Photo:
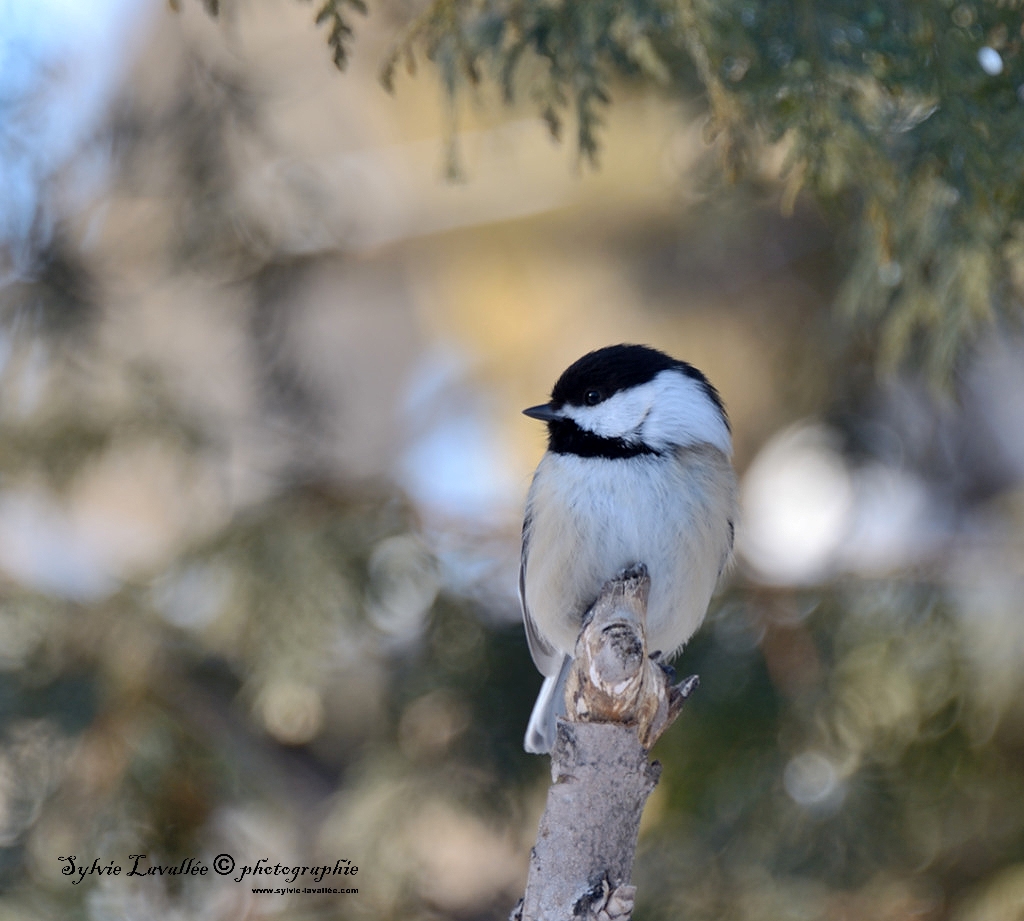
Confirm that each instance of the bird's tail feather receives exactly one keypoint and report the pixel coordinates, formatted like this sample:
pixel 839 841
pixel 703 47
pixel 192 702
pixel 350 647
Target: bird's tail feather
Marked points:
pixel 540 733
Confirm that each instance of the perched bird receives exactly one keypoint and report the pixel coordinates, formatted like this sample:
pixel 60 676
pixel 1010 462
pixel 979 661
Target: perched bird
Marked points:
pixel 638 470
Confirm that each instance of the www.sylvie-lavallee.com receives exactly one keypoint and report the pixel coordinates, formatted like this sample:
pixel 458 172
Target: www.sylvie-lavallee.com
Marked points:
pixel 222 864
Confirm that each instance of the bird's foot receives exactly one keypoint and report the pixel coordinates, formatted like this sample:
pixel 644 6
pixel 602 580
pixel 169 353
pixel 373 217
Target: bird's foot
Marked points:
pixel 658 658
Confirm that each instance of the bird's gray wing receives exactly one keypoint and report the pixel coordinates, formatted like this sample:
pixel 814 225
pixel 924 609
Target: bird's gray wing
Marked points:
pixel 547 659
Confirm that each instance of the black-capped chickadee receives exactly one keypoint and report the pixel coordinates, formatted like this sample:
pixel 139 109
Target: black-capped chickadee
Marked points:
pixel 638 470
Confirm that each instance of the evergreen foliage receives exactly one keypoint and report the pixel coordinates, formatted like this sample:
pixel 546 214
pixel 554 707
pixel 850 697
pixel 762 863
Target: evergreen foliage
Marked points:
pixel 905 120
pixel 333 12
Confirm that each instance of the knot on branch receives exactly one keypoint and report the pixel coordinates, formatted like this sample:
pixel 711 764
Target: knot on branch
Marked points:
pixel 606 903
pixel 613 679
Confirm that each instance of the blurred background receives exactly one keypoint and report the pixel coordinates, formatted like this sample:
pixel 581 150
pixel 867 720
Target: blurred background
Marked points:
pixel 265 336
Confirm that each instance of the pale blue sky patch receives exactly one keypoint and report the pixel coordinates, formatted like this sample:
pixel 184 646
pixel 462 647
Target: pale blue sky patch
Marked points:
pixel 61 63
pixel 42 549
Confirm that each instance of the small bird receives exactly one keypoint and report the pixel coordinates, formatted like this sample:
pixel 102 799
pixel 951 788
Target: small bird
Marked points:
pixel 638 470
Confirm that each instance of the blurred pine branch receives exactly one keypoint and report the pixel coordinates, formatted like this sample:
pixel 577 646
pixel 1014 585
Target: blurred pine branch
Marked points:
pixel 905 119
pixel 341 31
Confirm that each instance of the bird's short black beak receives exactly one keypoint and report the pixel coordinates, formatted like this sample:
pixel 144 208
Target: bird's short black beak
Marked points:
pixel 545 412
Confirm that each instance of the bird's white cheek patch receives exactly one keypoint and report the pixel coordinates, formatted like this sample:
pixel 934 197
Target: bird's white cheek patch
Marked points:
pixel 672 409
pixel 682 413
pixel 620 416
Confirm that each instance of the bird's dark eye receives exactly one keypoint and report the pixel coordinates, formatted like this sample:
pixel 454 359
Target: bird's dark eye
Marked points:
pixel 592 397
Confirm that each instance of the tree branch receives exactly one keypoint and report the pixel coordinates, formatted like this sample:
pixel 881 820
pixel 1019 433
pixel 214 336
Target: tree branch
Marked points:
pixel 618 701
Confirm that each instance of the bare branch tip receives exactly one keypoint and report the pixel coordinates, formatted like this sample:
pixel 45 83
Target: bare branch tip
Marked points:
pixel 633 581
pixel 687 686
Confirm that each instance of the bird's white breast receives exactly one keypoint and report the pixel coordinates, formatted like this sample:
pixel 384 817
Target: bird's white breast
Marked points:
pixel 592 517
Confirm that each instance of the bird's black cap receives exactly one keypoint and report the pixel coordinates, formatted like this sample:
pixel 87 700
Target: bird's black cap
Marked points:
pixel 618 367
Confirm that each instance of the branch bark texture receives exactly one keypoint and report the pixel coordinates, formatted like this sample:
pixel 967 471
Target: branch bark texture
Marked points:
pixel 618 702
